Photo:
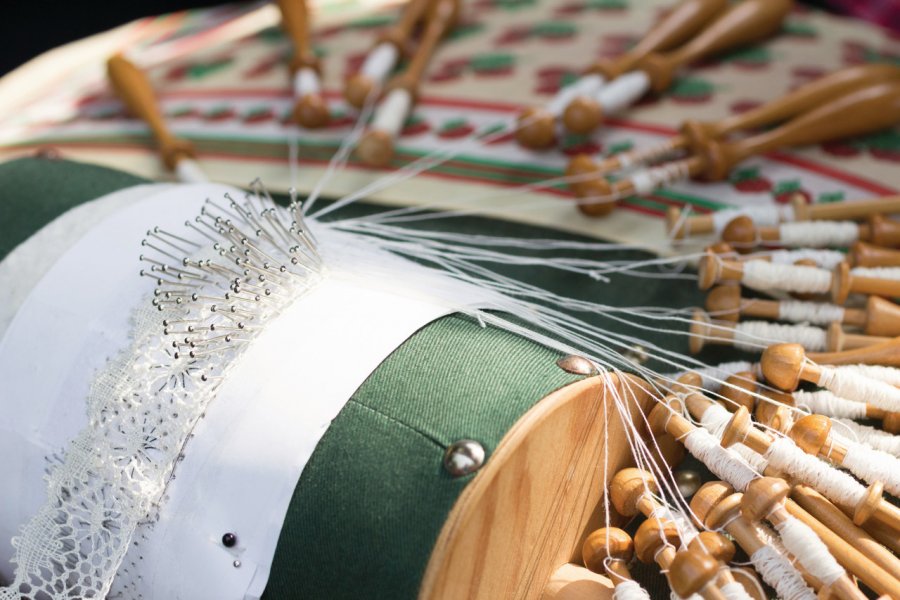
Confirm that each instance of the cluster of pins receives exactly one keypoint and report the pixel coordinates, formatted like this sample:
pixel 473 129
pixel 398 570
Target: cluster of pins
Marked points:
pixel 783 490
pixel 849 102
pixel 830 283
pixel 238 265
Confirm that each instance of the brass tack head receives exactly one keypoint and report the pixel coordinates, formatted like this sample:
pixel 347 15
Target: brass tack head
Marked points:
pixel 463 457
pixel 688 482
pixel 577 365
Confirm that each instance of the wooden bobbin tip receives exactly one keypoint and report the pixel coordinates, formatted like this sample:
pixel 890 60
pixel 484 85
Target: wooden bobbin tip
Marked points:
pixel 627 487
pixel 724 302
pixel 782 364
pixel 700 330
pixel 674 228
pixel 582 115
pixel 709 270
pixel 740 234
pixel 581 166
pixel 765 409
pixel 596 198
pixel 536 128
pixel 707 499
pixel 660 414
pixel 715 544
pixel 376 148
pixel 651 536
pixel 868 506
pixel 762 496
pixel 840 283
pixel 691 571
pixel 737 428
pixel 311 111
pixel 358 89
pixel 739 390
pixel 811 433
pixel 891 423
pixel 608 542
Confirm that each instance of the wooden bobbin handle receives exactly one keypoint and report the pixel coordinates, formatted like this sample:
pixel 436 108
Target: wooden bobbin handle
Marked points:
pixel 863 111
pixel 401 32
pixel 295 21
pixel 743 23
pixel 133 88
pixel 441 17
pixel 583 114
pixel 678 25
pixel 869 255
pixel 801 100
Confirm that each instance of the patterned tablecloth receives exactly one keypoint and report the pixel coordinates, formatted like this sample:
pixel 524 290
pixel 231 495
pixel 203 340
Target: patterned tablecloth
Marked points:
pixel 222 77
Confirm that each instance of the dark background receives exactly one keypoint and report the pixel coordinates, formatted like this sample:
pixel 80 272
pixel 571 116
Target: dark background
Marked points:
pixel 30 27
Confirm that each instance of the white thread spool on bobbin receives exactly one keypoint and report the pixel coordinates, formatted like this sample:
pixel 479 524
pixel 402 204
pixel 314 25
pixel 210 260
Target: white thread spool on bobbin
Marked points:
pixel 377 146
pixel 586 85
pixel 622 92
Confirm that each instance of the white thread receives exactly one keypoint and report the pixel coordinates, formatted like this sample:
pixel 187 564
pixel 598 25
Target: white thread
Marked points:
pixel 306 82
pixel 826 259
pixel 753 336
pixel 855 386
pixel 778 572
pixel 724 463
pixel 889 375
pixel 629 590
pixel 588 85
pixel 809 550
pixel 877 272
pixel 711 377
pixel 766 215
pixel 380 62
pixel 872 465
pixel 622 92
pixel 839 487
pixel 715 418
pixel 392 112
pixel 823 402
pixel 686 529
pixel 647 180
pixel 735 591
pixel 870 436
pixel 818 234
pixel 188 171
pixel 763 275
pixel 818 313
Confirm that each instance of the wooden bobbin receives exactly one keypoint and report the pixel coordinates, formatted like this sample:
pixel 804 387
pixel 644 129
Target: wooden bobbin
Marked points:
pixel 862 111
pixel 880 317
pixel 854 210
pixel 764 499
pixel 133 88
pixel 743 234
pixel 656 542
pixel 844 283
pixel 609 550
pixel 695 573
pixel 376 148
pixel 837 340
pixel 871 512
pixel 310 110
pixel 583 113
pixel 739 389
pixel 723 550
pixel 739 25
pixel 360 86
pixel 862 254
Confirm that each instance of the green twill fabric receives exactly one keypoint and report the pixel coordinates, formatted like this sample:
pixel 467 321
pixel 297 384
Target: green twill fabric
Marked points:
pixel 372 499
pixel 35 191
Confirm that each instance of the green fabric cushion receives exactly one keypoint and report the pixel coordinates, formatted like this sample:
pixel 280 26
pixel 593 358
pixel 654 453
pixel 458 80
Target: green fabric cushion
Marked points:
pixel 34 191
pixel 373 497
